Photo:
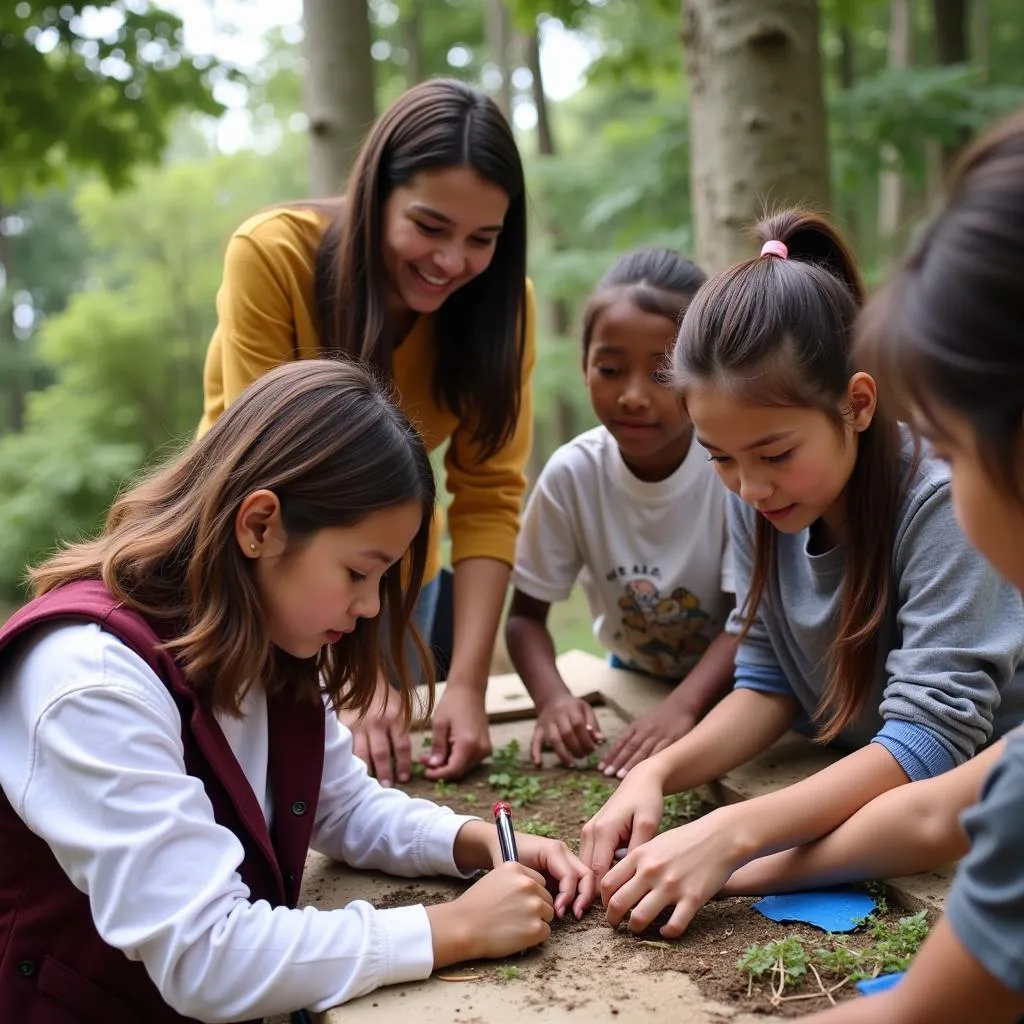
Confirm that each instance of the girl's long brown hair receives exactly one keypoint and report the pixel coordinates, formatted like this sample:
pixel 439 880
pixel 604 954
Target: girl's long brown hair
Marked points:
pixel 480 329
pixel 780 331
pixel 325 437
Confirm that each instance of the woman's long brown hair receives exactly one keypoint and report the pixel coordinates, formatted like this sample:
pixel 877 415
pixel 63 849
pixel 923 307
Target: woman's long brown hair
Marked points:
pixel 325 437
pixel 480 329
pixel 779 332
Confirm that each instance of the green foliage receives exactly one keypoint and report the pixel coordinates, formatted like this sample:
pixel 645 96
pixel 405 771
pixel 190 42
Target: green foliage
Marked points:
pixel 91 86
pixel 895 946
pixel 520 790
pixel 537 828
pixel 507 972
pixel 906 108
pixel 596 794
pixel 125 357
pixel 786 956
pixel 884 948
pixel 680 808
pixel 506 758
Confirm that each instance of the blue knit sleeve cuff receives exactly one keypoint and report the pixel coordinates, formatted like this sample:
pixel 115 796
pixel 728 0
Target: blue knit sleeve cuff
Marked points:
pixel 763 678
pixel 918 751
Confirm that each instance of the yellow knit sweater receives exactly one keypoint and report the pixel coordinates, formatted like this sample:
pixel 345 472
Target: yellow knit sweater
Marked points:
pixel 265 309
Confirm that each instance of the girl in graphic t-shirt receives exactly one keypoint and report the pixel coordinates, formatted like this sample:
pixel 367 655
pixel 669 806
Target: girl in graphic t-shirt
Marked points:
pixel 863 614
pixel 633 511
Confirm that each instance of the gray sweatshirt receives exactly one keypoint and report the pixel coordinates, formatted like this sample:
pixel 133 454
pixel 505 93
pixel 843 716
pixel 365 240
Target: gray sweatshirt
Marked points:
pixel 947 678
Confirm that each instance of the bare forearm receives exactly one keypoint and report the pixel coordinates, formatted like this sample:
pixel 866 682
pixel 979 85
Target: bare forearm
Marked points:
pixel 905 830
pixel 807 810
pixel 532 650
pixel 711 678
pixel 479 593
pixel 740 727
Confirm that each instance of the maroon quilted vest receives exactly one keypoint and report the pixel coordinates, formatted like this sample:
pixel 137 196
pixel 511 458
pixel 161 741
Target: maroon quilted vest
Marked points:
pixel 54 967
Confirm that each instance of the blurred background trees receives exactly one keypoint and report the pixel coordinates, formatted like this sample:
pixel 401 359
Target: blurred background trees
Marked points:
pixel 134 137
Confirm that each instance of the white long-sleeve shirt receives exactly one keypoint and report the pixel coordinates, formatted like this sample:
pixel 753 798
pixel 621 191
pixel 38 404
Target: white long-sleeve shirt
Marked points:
pixel 91 759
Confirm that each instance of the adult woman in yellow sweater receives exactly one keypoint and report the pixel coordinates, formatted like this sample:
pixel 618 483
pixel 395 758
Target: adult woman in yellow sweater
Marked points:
pixel 419 269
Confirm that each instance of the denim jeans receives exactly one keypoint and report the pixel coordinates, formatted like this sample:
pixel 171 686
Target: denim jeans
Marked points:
pixel 423 619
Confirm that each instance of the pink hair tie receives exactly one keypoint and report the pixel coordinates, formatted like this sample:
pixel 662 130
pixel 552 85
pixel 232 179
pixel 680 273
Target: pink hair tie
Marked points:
pixel 774 248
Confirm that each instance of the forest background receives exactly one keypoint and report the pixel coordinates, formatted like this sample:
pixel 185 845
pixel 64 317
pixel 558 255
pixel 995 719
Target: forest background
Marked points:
pixel 135 137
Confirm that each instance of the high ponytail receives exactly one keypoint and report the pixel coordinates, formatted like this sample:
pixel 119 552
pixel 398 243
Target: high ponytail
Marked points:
pixel 778 331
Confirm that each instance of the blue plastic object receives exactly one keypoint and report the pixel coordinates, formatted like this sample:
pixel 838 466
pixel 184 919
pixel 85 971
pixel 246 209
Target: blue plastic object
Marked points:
pixel 884 982
pixel 832 910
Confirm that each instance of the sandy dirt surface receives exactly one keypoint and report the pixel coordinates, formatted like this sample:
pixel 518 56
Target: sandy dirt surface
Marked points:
pixel 586 971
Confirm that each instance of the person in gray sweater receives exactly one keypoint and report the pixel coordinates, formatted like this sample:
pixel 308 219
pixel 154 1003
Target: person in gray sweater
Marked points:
pixel 948 334
pixel 863 615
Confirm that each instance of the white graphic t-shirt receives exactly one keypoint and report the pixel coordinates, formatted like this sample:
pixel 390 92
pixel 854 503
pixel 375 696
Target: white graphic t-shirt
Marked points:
pixel 654 559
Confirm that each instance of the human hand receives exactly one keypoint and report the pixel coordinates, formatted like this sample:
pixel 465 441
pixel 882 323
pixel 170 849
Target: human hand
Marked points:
pixel 629 818
pixel 647 735
pixel 553 859
pixel 461 736
pixel 683 867
pixel 569 726
pixel 380 736
pixel 507 910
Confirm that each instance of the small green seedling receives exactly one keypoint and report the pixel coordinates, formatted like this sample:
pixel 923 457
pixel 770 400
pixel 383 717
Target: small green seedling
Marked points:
pixel 444 788
pixel 506 758
pixel 538 828
pixel 680 808
pixel 883 948
pixel 508 972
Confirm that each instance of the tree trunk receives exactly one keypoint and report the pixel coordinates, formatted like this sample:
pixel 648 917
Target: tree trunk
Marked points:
pixel 498 39
pixel 890 181
pixel 950 22
pixel 556 312
pixel 757 117
pixel 15 371
pixel 847 206
pixel 339 88
pixel 950 17
pixel 982 45
pixel 545 139
pixel 412 40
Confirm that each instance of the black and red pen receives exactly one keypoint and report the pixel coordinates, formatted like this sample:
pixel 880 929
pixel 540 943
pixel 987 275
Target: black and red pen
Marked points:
pixel 506 834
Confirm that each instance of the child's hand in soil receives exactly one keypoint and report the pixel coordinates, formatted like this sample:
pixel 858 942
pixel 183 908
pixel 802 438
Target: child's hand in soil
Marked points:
pixel 508 910
pixel 647 735
pixel 553 859
pixel 683 867
pixel 380 735
pixel 569 726
pixel 629 818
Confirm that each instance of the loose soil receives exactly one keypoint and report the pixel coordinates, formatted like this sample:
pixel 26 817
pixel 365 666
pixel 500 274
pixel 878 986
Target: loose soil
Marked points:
pixel 558 802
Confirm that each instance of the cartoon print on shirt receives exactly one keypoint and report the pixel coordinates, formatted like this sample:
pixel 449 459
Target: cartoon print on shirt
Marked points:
pixel 666 632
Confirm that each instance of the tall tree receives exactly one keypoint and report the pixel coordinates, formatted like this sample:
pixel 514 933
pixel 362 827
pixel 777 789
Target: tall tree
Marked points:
pixel 556 310
pixel 97 93
pixel 339 88
pixel 890 180
pixel 950 20
pixel 499 41
pixel 412 41
pixel 757 116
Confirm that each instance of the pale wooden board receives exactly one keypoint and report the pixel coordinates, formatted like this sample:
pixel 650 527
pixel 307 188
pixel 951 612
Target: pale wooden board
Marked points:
pixel 619 696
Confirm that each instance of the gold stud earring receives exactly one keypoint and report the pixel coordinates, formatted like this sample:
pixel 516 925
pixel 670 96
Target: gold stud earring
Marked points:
pixel 252 548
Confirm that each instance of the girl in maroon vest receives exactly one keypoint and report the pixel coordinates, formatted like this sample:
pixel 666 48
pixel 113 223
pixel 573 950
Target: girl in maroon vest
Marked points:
pixel 170 749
